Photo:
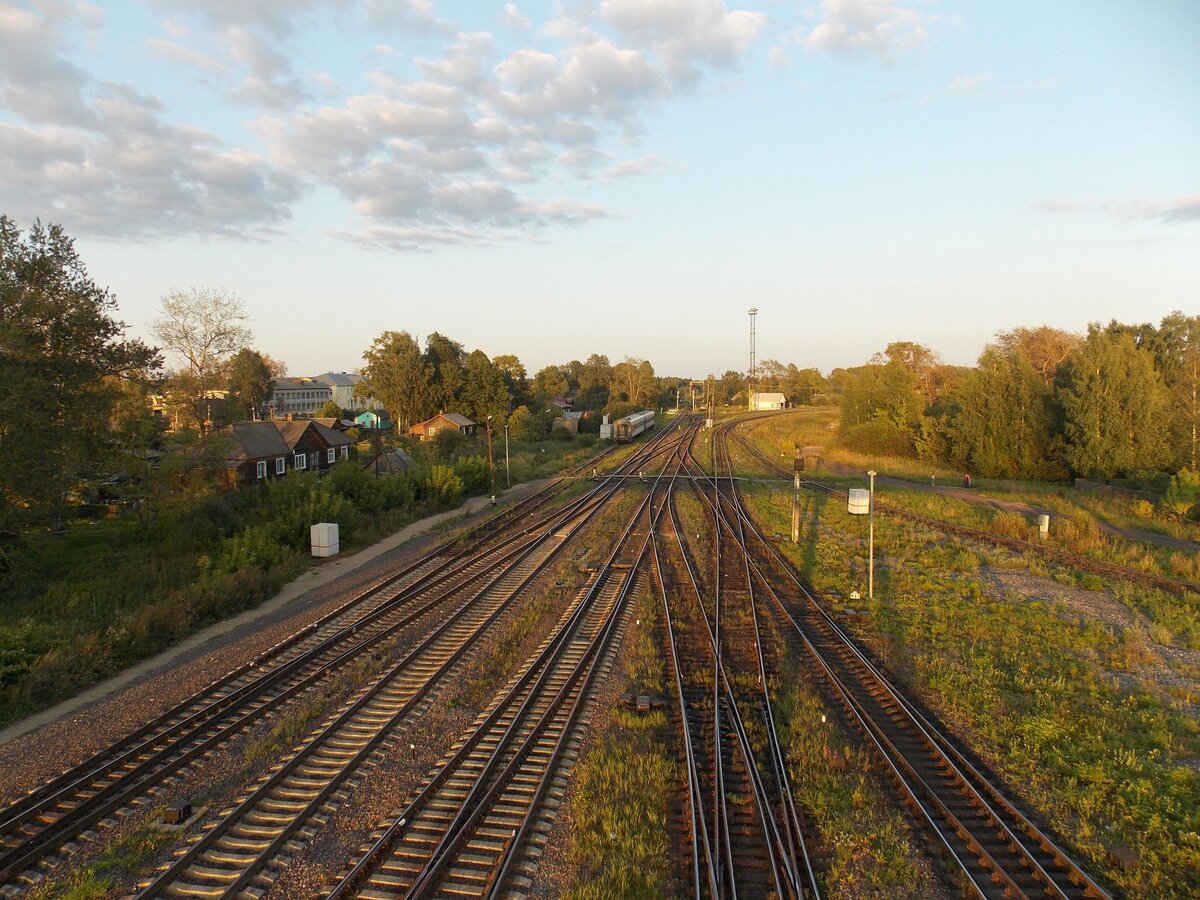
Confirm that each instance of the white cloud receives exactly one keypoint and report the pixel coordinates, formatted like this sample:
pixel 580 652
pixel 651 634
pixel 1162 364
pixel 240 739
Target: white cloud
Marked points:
pixel 1175 212
pixel 175 53
pixel 451 141
pixel 630 168
pixel 102 159
pixel 514 19
pixel 880 28
pixel 685 34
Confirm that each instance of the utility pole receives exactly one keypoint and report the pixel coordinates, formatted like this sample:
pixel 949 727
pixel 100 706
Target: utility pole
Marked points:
pixel 491 468
pixel 507 470
pixel 871 542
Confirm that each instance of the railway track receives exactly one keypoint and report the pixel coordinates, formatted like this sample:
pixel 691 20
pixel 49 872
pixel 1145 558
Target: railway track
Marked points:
pixel 241 850
pixel 1083 563
pixel 998 849
pixel 472 828
pixel 88 796
pixel 746 836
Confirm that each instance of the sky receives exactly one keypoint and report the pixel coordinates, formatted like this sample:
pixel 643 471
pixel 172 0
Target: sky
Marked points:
pixel 627 177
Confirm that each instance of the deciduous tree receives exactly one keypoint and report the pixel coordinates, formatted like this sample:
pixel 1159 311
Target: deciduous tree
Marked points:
pixel 204 327
pixel 249 381
pixel 484 392
pixel 1003 426
pixel 397 375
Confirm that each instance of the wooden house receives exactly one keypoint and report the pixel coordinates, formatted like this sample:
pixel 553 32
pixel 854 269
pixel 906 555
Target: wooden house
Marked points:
pixel 443 421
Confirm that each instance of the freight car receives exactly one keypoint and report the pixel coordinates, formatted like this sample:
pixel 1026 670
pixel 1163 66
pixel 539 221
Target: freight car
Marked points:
pixel 626 429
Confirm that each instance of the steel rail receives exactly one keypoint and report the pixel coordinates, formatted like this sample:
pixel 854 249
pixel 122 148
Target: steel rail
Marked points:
pixel 1174 585
pixel 585 512
pixel 938 746
pixel 639 554
pixel 484 785
pixel 94 794
pixel 86 794
pixel 699 830
pixel 785 880
pixel 792 818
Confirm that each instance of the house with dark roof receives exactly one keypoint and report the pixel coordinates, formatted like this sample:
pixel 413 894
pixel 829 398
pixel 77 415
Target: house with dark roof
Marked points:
pixel 389 462
pixel 259 453
pixel 313 445
pixel 443 421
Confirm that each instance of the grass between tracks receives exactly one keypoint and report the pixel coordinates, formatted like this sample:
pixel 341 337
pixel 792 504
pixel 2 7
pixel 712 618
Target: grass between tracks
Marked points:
pixel 124 858
pixel 625 784
pixel 870 847
pixel 869 843
pixel 1051 699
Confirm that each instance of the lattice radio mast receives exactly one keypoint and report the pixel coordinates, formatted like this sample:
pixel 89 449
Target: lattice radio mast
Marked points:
pixel 753 364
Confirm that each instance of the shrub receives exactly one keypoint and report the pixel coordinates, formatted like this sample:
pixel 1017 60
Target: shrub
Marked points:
pixel 474 473
pixel 878 437
pixel 1143 509
pixel 1182 493
pixel 445 485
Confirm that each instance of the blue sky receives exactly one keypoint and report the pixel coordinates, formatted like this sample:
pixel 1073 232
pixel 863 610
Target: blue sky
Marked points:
pixel 620 176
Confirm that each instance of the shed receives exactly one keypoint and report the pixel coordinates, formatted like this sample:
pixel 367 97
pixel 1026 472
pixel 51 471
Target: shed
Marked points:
pixel 769 401
pixel 389 462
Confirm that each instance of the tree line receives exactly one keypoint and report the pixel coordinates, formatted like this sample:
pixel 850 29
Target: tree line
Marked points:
pixel 415 382
pixel 1119 401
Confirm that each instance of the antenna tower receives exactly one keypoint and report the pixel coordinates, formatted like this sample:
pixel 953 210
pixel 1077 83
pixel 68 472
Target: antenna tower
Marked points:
pixel 753 364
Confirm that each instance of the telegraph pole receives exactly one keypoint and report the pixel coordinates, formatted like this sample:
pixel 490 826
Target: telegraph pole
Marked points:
pixel 871 543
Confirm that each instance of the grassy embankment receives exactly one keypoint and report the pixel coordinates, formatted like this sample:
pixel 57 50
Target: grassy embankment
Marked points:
pixel 1074 524
pixel 112 591
pixel 1049 697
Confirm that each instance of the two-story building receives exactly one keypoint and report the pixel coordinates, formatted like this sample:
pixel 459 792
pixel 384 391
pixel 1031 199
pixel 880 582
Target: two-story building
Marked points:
pixel 299 395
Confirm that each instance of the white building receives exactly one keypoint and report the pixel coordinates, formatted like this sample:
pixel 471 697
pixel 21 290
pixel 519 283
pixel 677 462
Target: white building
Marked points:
pixel 299 395
pixel 342 385
pixel 768 401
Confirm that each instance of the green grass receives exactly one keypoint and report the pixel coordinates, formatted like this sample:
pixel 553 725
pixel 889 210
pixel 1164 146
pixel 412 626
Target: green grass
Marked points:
pixel 625 784
pixel 871 848
pixel 1034 687
pixel 125 857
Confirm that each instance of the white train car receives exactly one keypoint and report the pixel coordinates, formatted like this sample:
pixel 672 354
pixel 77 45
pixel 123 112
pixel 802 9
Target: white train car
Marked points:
pixel 626 429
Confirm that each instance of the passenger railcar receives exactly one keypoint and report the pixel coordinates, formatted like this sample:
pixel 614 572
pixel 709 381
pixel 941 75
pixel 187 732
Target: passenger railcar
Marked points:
pixel 626 429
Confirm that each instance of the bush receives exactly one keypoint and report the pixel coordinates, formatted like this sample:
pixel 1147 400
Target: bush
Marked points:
pixel 524 425
pixel 1182 493
pixel 878 438
pixel 445 485
pixel 1143 509
pixel 474 473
